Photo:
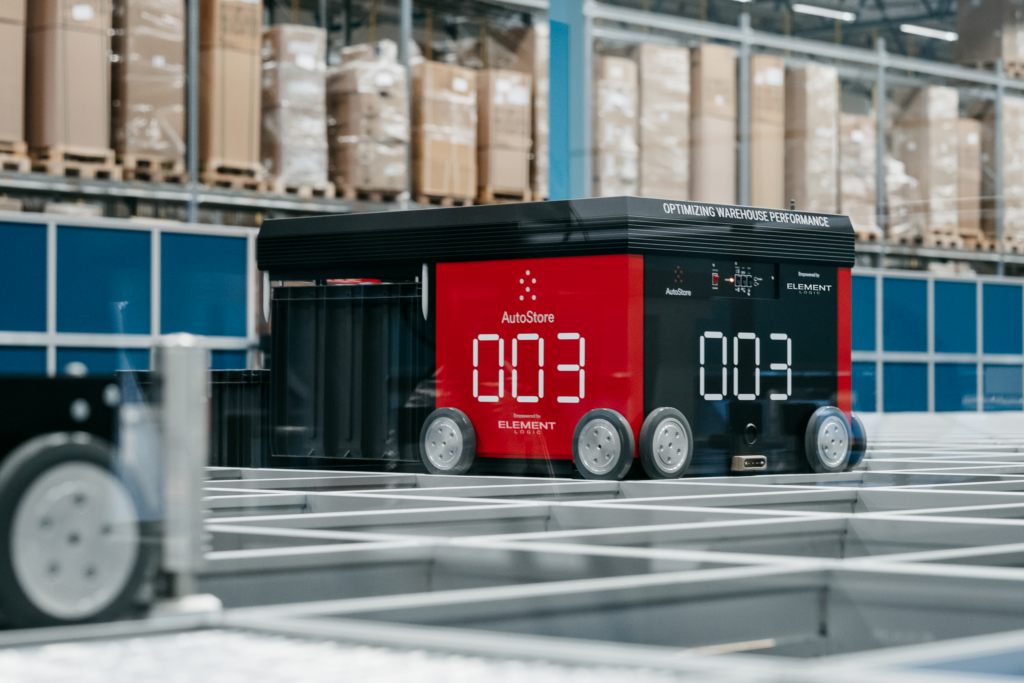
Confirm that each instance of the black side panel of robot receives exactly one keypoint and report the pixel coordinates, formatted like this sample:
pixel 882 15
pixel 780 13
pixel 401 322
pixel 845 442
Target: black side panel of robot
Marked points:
pixel 31 406
pixel 352 375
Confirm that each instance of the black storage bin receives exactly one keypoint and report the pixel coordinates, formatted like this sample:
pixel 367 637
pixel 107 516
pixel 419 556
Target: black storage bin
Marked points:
pixel 352 374
pixel 239 411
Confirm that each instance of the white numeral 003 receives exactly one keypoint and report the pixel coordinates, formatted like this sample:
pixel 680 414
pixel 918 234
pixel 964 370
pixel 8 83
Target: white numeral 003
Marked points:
pixel 709 344
pixel 521 398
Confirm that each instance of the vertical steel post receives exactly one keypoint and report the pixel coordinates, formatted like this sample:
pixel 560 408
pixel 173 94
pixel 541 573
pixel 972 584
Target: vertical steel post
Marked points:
pixel 997 143
pixel 185 442
pixel 743 189
pixel 192 111
pixel 880 194
pixel 324 23
pixel 570 103
pixel 404 39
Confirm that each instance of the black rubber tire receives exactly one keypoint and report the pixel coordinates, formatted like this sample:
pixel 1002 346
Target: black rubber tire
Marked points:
pixel 811 440
pixel 468 454
pixel 649 430
pixel 19 470
pixel 859 444
pixel 626 455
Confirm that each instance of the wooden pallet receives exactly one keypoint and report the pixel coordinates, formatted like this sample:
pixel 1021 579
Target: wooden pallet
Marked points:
pixel 370 195
pixel 233 175
pixel 324 191
pixel 489 195
pixel 944 241
pixel 1010 68
pixel 154 168
pixel 444 201
pixel 76 162
pixel 17 163
pixel 867 235
pixel 979 243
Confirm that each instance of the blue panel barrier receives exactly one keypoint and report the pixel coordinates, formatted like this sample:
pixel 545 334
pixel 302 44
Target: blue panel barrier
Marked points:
pixel 23 277
pixel 904 315
pixel 22 360
pixel 103 361
pixel 956 386
pixel 1002 327
pixel 956 317
pixel 228 360
pixel 203 285
pixel 863 384
pixel 1004 387
pixel 863 314
pixel 905 387
pixel 103 280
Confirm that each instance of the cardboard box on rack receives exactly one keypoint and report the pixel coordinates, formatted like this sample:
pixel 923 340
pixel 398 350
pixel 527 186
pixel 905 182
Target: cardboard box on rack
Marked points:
pixel 857 173
pixel 12 76
pixel 533 56
pixel 664 116
pixel 969 177
pixel 231 24
pixel 369 165
pixel 614 127
pixel 1013 174
pixel 812 137
pixel 503 109
pixel 229 106
pixel 767 132
pixel 713 124
pixel 713 81
pixel 444 127
pixel 67 85
pixel 149 78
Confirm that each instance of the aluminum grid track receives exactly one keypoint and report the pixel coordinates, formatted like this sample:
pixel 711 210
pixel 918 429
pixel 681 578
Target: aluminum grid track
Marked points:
pixel 909 568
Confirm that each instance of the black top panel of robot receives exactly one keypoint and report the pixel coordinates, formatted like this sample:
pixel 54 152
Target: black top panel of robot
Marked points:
pixel 374 244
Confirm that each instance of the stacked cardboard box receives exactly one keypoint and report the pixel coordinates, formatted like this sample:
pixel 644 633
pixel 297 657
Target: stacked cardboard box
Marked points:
pixel 857 174
pixel 614 124
pixel 12 76
pixel 68 77
pixel 988 30
pixel 444 123
pixel 504 136
pixel 969 181
pixel 664 121
pixel 368 121
pixel 149 82
pixel 294 139
pixel 925 140
pixel 713 124
pixel 535 50
pixel 1013 175
pixel 812 137
pixel 767 132
pixel 230 39
pixel 904 220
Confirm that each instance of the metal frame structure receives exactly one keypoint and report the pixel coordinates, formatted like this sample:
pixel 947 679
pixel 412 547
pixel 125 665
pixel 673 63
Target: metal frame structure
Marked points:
pixel 52 339
pixel 930 357
pixel 840 577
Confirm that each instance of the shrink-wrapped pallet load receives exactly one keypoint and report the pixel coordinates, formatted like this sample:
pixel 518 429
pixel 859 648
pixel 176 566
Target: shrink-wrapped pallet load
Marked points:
pixel 230 42
pixel 1013 176
pixel 368 122
pixel 614 126
pixel 968 182
pixel 925 139
pixel 68 85
pixel 535 51
pixel 857 174
pixel 989 30
pixel 664 77
pixel 149 89
pixel 444 125
pixel 12 83
pixel 504 134
pixel 767 132
pixel 713 124
pixel 294 134
pixel 812 138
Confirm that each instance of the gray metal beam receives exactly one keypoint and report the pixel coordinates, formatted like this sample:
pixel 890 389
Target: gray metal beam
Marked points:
pixel 880 100
pixel 743 190
pixel 404 40
pixel 192 112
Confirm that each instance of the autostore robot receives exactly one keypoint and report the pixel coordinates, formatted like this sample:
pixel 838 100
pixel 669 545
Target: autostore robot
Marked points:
pixel 601 335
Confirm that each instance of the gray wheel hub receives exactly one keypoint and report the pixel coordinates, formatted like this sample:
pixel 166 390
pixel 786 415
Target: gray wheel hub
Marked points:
pixel 670 445
pixel 444 443
pixel 833 441
pixel 74 540
pixel 599 446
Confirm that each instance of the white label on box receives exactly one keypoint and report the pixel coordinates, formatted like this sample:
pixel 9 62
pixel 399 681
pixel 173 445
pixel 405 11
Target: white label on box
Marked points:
pixel 972 138
pixel 82 12
pixel 383 79
pixel 460 84
pixel 616 72
pixel 773 76
pixel 394 170
pixel 857 135
pixel 824 131
pixel 307 62
pixel 519 96
pixel 502 85
pixel 301 47
pixel 719 100
pixel 159 62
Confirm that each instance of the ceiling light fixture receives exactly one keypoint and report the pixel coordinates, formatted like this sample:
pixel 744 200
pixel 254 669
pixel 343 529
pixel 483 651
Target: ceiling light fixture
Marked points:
pixel 949 36
pixel 824 12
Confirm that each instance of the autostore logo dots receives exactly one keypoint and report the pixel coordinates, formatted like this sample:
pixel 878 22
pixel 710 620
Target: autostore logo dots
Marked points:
pixel 527 282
